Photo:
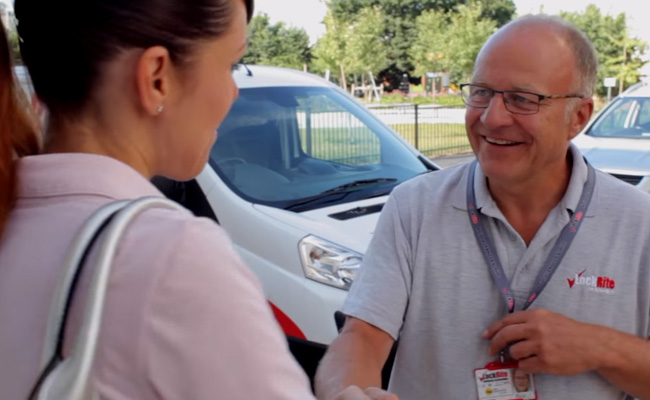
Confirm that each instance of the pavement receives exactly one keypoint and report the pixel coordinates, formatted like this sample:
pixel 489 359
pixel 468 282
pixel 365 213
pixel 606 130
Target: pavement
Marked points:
pixel 454 159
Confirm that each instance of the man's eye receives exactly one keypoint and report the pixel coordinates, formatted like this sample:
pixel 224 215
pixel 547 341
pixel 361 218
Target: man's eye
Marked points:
pixel 522 98
pixel 480 92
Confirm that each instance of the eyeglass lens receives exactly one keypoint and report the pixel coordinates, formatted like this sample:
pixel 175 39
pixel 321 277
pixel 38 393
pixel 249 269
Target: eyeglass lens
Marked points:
pixel 518 102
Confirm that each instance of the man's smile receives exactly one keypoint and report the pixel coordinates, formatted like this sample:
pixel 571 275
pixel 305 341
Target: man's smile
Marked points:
pixel 500 142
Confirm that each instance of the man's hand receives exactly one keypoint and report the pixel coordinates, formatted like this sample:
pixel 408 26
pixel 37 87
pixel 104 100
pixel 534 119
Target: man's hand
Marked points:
pixel 371 393
pixel 354 360
pixel 544 341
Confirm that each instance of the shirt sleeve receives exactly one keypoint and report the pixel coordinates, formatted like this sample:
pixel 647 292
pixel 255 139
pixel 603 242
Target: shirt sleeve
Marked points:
pixel 209 331
pixel 379 295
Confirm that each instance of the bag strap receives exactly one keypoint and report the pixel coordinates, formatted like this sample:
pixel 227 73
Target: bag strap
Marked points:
pixel 52 353
pixel 68 378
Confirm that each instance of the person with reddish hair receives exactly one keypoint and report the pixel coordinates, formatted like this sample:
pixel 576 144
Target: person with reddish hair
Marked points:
pixel 18 136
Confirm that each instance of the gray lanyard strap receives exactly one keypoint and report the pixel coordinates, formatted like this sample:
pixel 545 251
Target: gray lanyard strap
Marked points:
pixel 554 258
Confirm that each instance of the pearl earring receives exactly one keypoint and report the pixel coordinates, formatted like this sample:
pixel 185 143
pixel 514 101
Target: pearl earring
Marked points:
pixel 159 109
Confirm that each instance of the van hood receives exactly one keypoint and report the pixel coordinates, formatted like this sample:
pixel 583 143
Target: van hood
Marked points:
pixel 617 155
pixel 351 224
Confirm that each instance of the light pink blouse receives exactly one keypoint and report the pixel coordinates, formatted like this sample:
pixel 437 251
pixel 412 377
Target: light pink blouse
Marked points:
pixel 184 318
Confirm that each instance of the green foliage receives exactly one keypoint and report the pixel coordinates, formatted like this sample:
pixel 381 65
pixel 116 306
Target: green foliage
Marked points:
pixel 435 138
pixel 14 47
pixel 330 52
pixel 449 41
pixel 397 97
pixel 352 46
pixel 276 44
pixel 449 100
pixel 356 146
pixel 399 20
pixel 618 55
pixel 366 47
pixel 499 11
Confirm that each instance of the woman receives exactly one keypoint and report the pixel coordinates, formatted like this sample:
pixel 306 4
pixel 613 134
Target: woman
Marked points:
pixel 17 132
pixel 132 88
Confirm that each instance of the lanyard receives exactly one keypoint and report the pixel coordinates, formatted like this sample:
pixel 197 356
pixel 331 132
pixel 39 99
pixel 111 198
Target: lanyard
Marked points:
pixel 554 258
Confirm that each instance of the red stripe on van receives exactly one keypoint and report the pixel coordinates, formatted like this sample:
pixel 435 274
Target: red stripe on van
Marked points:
pixel 288 326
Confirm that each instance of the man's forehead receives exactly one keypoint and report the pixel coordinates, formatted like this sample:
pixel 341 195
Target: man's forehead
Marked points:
pixel 525 37
pixel 523 57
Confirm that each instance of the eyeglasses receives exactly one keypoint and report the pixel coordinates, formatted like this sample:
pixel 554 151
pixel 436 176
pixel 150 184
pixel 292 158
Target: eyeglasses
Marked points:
pixel 516 101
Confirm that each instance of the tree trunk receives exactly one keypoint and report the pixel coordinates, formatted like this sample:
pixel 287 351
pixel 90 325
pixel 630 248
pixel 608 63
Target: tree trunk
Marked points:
pixel 621 84
pixel 344 85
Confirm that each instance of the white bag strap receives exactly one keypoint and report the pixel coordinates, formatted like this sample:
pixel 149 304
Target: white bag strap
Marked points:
pixel 69 380
pixel 71 265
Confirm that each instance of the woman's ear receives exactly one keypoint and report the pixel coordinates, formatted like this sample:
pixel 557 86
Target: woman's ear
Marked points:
pixel 153 79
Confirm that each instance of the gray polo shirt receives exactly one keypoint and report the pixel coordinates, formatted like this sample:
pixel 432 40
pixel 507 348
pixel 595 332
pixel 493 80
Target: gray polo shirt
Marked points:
pixel 424 279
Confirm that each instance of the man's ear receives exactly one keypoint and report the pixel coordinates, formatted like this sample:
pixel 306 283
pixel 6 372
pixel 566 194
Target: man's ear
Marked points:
pixel 153 79
pixel 581 115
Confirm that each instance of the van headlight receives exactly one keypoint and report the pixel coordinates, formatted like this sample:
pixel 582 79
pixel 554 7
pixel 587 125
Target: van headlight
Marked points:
pixel 328 263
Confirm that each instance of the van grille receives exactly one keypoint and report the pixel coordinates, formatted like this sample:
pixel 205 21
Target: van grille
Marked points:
pixel 631 179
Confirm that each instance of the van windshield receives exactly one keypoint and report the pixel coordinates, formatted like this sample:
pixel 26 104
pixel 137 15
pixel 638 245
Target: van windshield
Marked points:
pixel 626 117
pixel 301 148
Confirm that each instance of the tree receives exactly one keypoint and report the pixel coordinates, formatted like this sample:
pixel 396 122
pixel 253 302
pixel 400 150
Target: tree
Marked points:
pixel 430 50
pixel 626 67
pixel 352 46
pixel 330 52
pixel 499 11
pixel 276 44
pixel 366 46
pixel 450 41
pixel 399 24
pixel 618 55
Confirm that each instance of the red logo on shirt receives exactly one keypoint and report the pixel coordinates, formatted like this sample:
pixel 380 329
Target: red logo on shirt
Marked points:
pixel 573 281
pixel 592 282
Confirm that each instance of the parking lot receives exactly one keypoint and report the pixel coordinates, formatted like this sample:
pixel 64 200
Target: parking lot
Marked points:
pixel 454 159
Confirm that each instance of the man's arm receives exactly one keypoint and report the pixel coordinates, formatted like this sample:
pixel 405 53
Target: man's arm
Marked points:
pixel 544 341
pixel 356 357
pixel 626 362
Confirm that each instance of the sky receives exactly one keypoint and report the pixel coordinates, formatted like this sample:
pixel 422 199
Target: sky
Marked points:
pixel 309 14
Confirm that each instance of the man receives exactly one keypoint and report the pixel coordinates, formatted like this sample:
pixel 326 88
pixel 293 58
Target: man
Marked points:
pixel 532 259
pixel 521 380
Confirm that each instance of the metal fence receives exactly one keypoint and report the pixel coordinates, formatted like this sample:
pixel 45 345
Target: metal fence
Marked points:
pixel 433 129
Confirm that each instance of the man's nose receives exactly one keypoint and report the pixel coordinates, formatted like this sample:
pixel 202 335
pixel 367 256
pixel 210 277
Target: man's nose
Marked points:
pixel 496 114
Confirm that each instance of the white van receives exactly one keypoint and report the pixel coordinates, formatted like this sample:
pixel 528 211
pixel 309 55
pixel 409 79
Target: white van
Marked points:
pixel 297 177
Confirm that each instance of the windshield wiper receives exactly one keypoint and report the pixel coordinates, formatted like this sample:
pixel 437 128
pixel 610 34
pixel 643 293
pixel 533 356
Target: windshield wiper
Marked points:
pixel 342 189
pixel 360 182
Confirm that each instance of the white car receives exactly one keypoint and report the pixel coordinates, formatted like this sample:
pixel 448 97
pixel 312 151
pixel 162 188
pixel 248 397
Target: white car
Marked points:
pixel 297 177
pixel 617 140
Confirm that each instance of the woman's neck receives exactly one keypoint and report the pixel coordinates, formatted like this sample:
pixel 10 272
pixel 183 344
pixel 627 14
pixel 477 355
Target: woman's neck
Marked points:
pixel 93 137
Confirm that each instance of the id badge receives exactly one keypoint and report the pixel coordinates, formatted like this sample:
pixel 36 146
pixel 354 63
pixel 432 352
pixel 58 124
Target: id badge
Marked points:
pixel 499 381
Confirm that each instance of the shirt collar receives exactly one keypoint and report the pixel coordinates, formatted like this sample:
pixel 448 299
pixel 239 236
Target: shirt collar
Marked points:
pixel 80 174
pixel 579 174
pixel 487 205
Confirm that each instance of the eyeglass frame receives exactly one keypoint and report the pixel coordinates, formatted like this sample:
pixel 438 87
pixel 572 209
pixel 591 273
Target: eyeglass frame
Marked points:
pixel 505 103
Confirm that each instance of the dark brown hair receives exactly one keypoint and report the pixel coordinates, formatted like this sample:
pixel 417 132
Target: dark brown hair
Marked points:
pixel 65 43
pixel 18 136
